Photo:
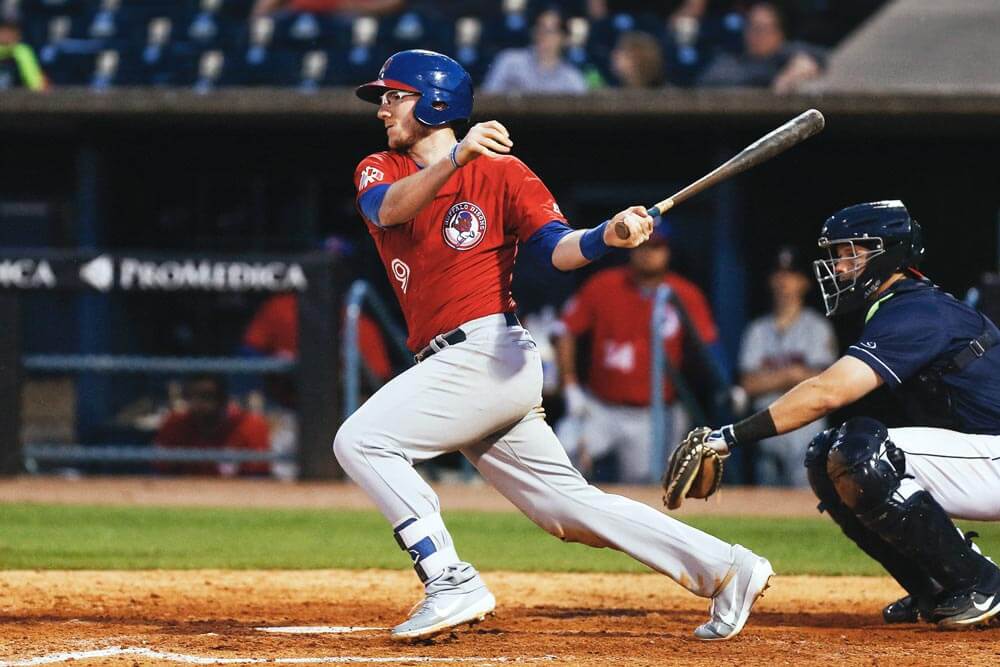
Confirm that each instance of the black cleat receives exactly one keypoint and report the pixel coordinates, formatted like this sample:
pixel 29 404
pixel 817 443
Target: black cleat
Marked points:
pixel 965 610
pixel 972 608
pixel 910 609
pixel 903 610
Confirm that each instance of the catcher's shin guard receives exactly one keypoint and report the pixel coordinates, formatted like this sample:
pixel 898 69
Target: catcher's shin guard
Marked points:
pixel 919 528
pixel 908 573
pixel 865 469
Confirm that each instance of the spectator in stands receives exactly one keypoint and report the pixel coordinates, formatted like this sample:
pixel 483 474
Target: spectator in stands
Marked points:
pixel 539 68
pixel 637 60
pixel 614 308
pixel 211 421
pixel 18 65
pixel 779 350
pixel 769 60
pixel 367 7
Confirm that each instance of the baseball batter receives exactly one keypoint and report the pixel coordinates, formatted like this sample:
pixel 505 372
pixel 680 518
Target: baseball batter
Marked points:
pixel 448 219
pixel 893 491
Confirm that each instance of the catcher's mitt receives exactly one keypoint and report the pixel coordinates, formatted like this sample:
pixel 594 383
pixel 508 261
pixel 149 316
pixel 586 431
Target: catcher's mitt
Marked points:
pixel 694 470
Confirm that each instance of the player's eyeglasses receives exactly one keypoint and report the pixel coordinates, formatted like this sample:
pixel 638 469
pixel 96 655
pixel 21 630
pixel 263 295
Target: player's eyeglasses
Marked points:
pixel 393 97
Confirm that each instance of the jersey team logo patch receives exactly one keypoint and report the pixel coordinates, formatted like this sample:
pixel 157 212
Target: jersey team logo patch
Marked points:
pixel 368 176
pixel 464 226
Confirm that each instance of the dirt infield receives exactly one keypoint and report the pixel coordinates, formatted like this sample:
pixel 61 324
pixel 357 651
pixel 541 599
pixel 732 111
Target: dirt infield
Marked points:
pixel 211 617
pixel 569 619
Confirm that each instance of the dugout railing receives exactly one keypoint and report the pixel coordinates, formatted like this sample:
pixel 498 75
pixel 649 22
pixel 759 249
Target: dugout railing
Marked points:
pixel 313 277
pixel 664 300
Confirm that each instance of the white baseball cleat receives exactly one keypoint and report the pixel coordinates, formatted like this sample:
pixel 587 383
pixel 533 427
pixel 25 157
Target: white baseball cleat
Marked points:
pixel 455 597
pixel 731 606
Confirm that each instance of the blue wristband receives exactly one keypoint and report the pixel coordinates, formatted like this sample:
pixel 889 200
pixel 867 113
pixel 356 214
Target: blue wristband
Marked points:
pixel 452 155
pixel 592 244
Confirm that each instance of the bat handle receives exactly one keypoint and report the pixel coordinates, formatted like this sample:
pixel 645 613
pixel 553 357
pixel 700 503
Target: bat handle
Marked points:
pixel 653 211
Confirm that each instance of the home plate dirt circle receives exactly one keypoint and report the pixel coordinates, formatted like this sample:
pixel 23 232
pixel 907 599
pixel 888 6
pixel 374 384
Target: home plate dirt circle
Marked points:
pixel 339 617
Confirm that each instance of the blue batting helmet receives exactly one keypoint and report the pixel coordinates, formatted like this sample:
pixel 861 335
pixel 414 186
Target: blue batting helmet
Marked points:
pixel 883 234
pixel 445 87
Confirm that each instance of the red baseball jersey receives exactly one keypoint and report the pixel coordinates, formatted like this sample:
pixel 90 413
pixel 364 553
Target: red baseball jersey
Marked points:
pixel 616 312
pixel 239 429
pixel 454 261
pixel 274 330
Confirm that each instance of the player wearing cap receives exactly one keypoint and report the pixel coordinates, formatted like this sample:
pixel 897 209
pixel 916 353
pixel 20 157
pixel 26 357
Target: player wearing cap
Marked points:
pixel 448 219
pixel 614 308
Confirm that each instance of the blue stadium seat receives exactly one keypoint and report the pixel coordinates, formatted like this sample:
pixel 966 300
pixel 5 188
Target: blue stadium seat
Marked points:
pixel 470 49
pixel 278 67
pixel 71 62
pixel 304 31
pixel 354 66
pixel 416 30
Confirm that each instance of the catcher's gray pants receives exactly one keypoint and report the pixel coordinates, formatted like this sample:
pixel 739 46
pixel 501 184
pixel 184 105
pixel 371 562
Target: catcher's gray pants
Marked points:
pixel 481 397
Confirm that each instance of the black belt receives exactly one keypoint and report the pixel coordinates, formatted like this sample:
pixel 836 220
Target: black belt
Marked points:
pixel 454 337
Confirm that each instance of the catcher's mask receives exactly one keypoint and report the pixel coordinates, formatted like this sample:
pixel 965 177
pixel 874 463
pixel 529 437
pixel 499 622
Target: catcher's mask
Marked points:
pixel 869 242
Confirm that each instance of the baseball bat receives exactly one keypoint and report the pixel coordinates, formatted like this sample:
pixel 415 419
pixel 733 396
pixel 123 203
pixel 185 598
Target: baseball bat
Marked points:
pixel 774 142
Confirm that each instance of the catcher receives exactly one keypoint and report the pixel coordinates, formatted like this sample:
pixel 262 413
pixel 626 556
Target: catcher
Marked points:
pixel 892 491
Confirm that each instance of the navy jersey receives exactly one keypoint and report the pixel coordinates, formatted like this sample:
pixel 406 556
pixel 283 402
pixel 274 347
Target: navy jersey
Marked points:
pixel 913 328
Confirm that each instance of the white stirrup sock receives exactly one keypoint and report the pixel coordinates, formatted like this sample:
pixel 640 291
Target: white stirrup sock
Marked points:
pixel 428 543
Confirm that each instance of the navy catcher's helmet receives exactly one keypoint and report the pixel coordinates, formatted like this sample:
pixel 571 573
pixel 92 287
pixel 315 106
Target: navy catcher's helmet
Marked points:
pixel 445 87
pixel 883 239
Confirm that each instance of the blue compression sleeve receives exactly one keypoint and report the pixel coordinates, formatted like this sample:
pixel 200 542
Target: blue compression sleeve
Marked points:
pixel 592 243
pixel 371 201
pixel 543 242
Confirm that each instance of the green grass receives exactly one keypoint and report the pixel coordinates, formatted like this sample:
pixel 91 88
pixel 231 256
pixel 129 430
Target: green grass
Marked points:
pixel 81 537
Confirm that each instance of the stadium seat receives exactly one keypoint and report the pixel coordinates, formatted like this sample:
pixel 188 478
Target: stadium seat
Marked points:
pixel 514 27
pixel 415 30
pixel 275 67
pixel 210 68
pixel 105 69
pixel 469 48
pixel 313 71
pixel 70 62
pixel 209 27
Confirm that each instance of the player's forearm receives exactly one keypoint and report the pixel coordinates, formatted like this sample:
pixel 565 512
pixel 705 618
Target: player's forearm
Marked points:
pixel 567 254
pixel 806 402
pixel 408 196
pixel 766 381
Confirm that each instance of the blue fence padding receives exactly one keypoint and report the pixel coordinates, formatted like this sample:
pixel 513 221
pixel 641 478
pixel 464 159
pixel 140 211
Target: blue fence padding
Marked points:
pixel 106 363
pixel 146 453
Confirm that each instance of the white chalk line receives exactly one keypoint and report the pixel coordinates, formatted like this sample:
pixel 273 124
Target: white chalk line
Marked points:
pixel 54 658
pixel 318 629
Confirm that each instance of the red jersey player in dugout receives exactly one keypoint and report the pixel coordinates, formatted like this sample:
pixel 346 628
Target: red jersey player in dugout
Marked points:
pixel 448 218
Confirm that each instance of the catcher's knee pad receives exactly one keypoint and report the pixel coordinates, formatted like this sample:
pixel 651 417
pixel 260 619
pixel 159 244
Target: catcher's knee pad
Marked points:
pixel 863 465
pixel 815 463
